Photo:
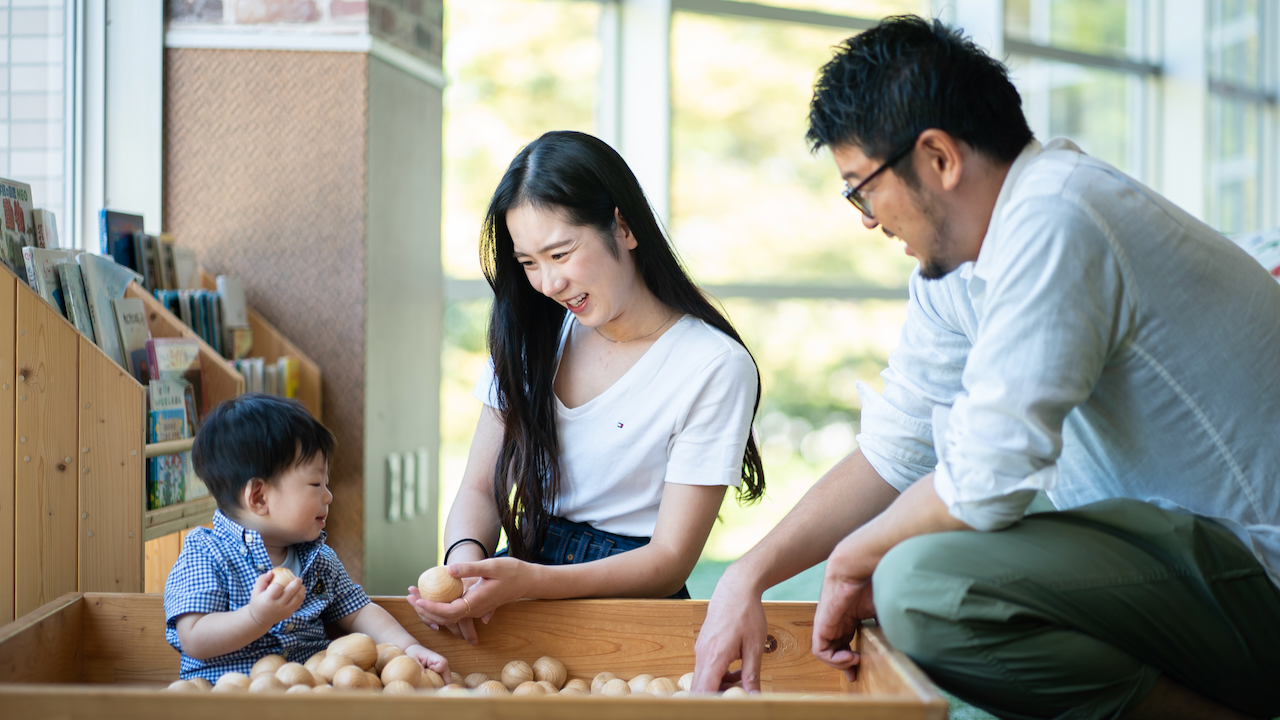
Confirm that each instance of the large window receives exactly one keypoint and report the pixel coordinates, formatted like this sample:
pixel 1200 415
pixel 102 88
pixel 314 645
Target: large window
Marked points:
pixel 1081 68
pixel 1242 101
pixel 33 103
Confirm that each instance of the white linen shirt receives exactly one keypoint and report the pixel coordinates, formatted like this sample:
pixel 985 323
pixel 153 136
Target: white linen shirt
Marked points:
pixel 1104 344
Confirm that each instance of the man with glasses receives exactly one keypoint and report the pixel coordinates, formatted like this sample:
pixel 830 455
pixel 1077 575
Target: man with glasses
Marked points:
pixel 1068 331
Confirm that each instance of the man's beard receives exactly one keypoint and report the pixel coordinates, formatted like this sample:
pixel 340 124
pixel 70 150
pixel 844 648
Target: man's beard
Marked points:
pixel 935 265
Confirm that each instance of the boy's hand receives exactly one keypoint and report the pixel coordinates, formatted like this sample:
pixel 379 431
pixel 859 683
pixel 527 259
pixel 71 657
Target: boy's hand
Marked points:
pixel 429 659
pixel 270 603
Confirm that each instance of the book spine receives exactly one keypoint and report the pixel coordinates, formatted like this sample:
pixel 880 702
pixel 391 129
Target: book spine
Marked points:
pixel 102 231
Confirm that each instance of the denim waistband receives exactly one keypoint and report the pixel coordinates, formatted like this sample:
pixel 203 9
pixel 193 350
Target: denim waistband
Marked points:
pixel 569 543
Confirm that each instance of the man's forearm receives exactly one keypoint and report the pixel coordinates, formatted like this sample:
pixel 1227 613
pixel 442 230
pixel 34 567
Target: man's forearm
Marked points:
pixel 918 511
pixel 848 496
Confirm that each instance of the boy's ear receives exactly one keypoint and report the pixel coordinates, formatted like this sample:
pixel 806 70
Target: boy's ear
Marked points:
pixel 254 497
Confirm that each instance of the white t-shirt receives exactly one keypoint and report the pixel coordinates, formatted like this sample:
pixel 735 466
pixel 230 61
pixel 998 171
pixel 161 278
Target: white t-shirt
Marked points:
pixel 681 414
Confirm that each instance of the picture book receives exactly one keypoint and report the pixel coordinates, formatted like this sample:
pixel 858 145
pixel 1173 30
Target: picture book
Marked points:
pixel 236 336
pixel 287 371
pixel 186 269
pixel 1264 247
pixel 116 230
pixel 46 229
pixel 18 229
pixel 164 264
pixel 131 319
pixel 179 359
pixel 144 250
pixel 42 274
pixel 74 297
pixel 167 474
pixel 104 281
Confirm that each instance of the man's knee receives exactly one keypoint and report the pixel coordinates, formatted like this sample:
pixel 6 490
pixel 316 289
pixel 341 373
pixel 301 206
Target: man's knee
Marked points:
pixel 918 594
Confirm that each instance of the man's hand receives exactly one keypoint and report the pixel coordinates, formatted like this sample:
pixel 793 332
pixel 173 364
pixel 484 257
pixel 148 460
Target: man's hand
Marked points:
pixel 269 603
pixel 734 629
pixel 846 601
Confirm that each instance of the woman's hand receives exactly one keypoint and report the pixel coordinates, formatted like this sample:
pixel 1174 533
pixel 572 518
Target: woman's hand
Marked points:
pixel 487 585
pixel 434 614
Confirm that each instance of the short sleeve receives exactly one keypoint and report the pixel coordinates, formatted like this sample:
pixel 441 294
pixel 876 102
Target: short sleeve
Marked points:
pixel 195 584
pixel 708 446
pixel 347 597
pixel 486 389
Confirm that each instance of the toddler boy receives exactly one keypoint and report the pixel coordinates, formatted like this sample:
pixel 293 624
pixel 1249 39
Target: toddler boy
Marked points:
pixel 266 463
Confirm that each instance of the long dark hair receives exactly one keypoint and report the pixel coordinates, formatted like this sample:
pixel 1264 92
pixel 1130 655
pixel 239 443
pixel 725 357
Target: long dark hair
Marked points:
pixel 585 179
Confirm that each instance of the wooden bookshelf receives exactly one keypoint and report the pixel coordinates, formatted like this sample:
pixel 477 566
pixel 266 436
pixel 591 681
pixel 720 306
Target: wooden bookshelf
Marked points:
pixel 270 345
pixel 72 487
pixel 221 382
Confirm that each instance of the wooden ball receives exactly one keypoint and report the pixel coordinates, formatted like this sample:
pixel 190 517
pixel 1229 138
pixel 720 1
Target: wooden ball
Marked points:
pixel 232 682
pixel 432 679
pixel 317 679
pixel 266 682
pixel 616 687
pixel 551 670
pixel 455 678
pixel 528 688
pixel 282 576
pixel 203 684
pixel 332 663
pixel 294 690
pixel 735 692
pixel 661 687
pixel 385 654
pixel 639 682
pixel 516 672
pixel 437 585
pixel 573 691
pixel 680 694
pixel 403 669
pixel 686 682
pixel 295 674
pixel 549 687
pixel 313 662
pixel 492 687
pixel 373 681
pixel 324 689
pixel 357 646
pixel 398 687
pixel 475 680
pixel 351 677
pixel 269 664
pixel 597 683
pixel 183 686
pixel 455 689
pixel 580 684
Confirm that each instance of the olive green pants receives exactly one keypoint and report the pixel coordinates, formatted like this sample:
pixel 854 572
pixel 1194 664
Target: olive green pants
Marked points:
pixel 1076 614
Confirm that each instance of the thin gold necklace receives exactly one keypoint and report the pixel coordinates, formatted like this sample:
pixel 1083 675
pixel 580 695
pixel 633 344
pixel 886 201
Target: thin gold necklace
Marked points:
pixel 620 342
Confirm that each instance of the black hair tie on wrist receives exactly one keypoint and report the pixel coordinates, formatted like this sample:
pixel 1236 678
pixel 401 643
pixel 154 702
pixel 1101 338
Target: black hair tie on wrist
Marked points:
pixel 465 540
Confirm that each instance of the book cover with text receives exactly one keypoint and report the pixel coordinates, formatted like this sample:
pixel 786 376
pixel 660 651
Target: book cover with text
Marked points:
pixel 18 228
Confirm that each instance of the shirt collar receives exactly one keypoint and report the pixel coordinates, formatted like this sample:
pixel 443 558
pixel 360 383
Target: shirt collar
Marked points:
pixel 229 529
pixel 1029 153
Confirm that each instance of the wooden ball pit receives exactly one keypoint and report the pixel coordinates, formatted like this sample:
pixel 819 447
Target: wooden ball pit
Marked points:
pixel 90 656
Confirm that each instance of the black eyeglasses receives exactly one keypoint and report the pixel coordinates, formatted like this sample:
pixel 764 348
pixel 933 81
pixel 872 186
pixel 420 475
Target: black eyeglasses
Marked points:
pixel 854 194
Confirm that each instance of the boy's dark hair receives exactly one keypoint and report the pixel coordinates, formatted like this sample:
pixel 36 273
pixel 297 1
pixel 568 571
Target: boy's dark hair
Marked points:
pixel 254 436
pixel 888 84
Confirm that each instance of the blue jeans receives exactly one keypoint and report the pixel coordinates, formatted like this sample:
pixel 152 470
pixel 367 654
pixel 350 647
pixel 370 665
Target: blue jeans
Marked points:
pixel 569 543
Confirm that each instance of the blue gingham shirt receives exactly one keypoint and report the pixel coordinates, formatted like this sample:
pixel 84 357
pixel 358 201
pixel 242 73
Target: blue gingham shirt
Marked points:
pixel 215 573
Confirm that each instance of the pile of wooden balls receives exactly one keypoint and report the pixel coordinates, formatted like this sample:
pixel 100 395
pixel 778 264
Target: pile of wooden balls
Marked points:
pixel 352 662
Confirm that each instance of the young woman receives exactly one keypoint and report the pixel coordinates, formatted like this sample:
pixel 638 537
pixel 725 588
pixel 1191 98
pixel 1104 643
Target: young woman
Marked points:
pixel 618 404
